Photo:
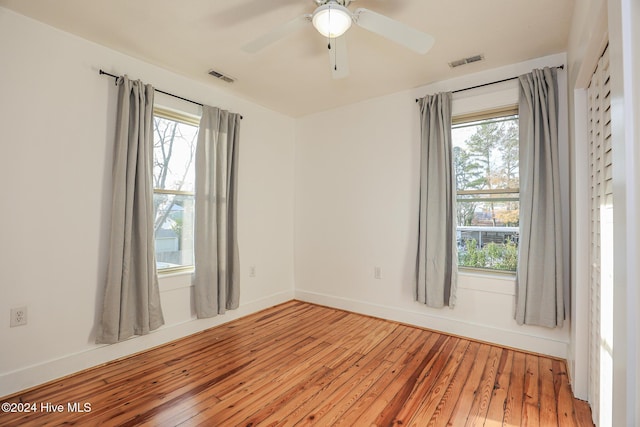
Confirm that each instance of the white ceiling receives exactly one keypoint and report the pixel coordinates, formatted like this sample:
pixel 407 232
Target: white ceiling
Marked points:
pixel 293 75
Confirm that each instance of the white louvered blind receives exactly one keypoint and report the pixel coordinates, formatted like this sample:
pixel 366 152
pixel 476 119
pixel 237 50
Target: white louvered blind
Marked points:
pixel 601 280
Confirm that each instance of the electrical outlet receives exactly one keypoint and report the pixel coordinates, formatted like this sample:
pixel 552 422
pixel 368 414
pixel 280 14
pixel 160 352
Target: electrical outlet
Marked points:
pixel 376 273
pixel 18 316
pixel 252 271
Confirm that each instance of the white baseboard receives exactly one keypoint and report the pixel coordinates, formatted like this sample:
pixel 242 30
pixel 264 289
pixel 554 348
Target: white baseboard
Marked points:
pixel 475 331
pixel 30 376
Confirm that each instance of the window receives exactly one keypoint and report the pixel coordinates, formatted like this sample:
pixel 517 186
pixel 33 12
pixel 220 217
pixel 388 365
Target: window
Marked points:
pixel 485 152
pixel 174 145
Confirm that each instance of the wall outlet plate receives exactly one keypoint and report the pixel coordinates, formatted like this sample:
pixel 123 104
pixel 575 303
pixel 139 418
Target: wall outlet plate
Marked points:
pixel 18 316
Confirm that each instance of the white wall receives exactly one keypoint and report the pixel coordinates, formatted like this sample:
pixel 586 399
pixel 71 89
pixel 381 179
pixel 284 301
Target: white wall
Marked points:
pixel 57 116
pixel 356 204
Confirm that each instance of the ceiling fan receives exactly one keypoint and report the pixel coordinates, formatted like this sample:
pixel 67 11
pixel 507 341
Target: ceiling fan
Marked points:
pixel 332 19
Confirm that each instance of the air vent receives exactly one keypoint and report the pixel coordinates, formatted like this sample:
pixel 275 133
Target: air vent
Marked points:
pixel 463 61
pixel 219 75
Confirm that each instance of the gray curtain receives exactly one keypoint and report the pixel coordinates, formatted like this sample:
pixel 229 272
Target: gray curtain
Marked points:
pixel 132 299
pixel 217 273
pixel 539 287
pixel 437 251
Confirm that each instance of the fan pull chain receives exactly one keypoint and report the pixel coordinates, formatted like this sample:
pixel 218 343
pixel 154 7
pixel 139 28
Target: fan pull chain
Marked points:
pixel 335 55
pixel 329 32
pixel 335 65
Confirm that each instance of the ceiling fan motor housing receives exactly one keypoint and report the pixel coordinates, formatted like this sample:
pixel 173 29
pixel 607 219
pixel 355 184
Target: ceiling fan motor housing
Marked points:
pixel 344 3
pixel 332 19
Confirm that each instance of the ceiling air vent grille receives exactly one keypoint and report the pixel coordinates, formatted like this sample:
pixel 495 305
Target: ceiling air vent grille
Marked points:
pixel 463 61
pixel 219 75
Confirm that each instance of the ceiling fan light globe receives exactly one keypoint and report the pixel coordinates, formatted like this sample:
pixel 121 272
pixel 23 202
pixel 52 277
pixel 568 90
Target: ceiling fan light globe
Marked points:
pixel 331 20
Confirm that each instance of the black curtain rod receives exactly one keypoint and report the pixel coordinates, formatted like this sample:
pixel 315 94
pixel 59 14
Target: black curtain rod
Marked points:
pixel 491 83
pixel 157 90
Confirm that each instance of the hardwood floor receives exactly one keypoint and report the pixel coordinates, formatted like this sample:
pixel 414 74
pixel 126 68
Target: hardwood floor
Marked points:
pixel 302 364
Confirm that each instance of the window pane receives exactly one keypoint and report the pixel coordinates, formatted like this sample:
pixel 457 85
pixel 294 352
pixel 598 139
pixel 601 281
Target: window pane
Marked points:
pixel 486 154
pixel 174 216
pixel 174 147
pixel 487 181
pixel 173 171
pixel 490 235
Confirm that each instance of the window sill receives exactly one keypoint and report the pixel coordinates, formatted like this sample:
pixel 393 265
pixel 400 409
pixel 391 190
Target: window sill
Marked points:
pixel 172 280
pixel 498 274
pixel 487 281
pixel 175 272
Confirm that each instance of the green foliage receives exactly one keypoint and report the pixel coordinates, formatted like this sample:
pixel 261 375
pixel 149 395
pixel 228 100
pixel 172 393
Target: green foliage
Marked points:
pixel 496 256
pixel 471 256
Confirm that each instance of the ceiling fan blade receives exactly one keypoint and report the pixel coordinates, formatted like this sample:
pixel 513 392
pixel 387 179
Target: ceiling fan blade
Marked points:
pixel 338 57
pixel 276 34
pixel 382 6
pixel 249 9
pixel 393 30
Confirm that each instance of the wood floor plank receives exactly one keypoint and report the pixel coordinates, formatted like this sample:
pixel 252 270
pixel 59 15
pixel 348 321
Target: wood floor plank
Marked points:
pixel 293 406
pixel 383 403
pixel 447 404
pixel 232 391
pixel 422 360
pixel 304 364
pixel 245 357
pixel 565 401
pixel 515 395
pixel 531 405
pixel 465 401
pixel 497 405
pixel 480 406
pixel 425 381
pixel 296 408
pixel 345 389
pixel 284 386
pixel 257 401
pixel 349 395
pixel 548 402
pixel 429 399
pixel 583 413
pixel 365 404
